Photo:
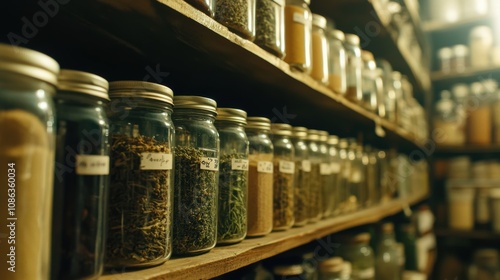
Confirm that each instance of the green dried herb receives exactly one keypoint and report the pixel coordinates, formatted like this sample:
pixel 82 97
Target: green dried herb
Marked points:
pixel 266 29
pixel 232 211
pixel 195 196
pixel 283 199
pixel 139 206
pixel 302 193
pixel 234 15
pixel 315 201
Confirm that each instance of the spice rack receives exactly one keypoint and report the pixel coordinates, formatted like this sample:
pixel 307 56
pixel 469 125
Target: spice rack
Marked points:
pixel 228 258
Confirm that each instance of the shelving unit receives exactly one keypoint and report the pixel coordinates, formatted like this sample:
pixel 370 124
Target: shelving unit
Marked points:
pixel 442 27
pixel 228 258
pixel 479 73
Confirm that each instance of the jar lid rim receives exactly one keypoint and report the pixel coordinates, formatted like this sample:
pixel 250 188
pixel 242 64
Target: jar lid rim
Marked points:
pixel 140 89
pixel 83 82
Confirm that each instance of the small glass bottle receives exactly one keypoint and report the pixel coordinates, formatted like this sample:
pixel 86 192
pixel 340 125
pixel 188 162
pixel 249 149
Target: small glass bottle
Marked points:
pixel 369 84
pixel 27 128
pixel 315 208
pixel 354 91
pixel 81 176
pixel 270 26
pixel 284 170
pixel 233 175
pixel 387 261
pixel 337 75
pixel 357 251
pixel 320 50
pixel 206 6
pixel 298 38
pixel 326 176
pixel 238 16
pixel 343 179
pixel 196 175
pixel 302 176
pixel 141 188
pixel 260 177
pixel 335 169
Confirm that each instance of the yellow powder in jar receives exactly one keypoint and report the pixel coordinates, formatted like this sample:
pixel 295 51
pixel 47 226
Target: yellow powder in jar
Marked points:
pixel 25 143
pixel 479 126
pixel 319 69
pixel 298 38
pixel 336 83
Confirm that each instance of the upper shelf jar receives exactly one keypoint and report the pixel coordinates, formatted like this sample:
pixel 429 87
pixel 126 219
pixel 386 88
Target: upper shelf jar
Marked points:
pixel 298 28
pixel 206 6
pixel 238 16
pixel 320 50
pixel 269 26
pixel 354 68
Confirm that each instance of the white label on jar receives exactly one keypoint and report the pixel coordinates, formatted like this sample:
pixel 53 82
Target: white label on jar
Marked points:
pixel 209 163
pixel 367 273
pixel 335 167
pixel 306 166
pixel 287 167
pixel 265 167
pixel 156 161
pixel 239 164
pixel 299 18
pixel 324 169
pixel 92 165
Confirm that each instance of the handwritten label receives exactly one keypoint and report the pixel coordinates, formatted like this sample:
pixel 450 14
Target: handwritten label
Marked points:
pixel 92 165
pixel 239 164
pixel 324 169
pixel 156 161
pixel 306 166
pixel 335 167
pixel 287 167
pixel 299 18
pixel 265 166
pixel 209 163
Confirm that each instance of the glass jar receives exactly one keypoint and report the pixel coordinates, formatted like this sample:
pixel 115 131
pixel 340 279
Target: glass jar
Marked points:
pixel 326 176
pixel 260 177
pixel 337 77
pixel 233 175
pixel 387 190
pixel 294 271
pixel 315 202
pixel 445 56
pixel 369 84
pixel 372 176
pixel 381 93
pixel 479 121
pixel 485 265
pixel 298 29
pixel 481 46
pixel 206 6
pixel 460 58
pixel 356 249
pixel 387 261
pixel 140 194
pixel 331 269
pixel 270 26
pixel 333 151
pixel 284 173
pixel 343 179
pixel 400 101
pixel 302 176
pixel 81 178
pixel 238 16
pixel 409 239
pixel 320 50
pixel 386 98
pixel 356 175
pixel 196 175
pixel 27 84
pixel 354 91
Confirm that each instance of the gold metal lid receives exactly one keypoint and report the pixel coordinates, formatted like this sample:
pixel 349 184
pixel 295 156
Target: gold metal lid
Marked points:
pixel 367 56
pixel 323 135
pixel 337 34
pixel 357 238
pixel 232 115
pixel 281 129
pixel 83 82
pixel 319 21
pixel 333 140
pixel 343 143
pixel 299 132
pixel 387 228
pixel 141 89
pixel 288 270
pixel 29 63
pixel 335 264
pixel 258 123
pixel 312 135
pixel 352 39
pixel 195 102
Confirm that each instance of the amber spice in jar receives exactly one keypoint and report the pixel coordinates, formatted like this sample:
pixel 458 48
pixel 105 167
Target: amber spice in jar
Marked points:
pixel 298 19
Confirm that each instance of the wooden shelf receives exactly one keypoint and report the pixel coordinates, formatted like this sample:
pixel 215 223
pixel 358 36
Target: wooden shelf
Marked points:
pixel 467 150
pixel 468 234
pixel 228 258
pixel 441 27
pixel 479 73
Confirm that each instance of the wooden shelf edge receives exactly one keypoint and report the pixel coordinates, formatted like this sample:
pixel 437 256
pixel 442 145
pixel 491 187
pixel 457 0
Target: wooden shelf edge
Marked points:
pixel 438 76
pixel 469 234
pixel 222 260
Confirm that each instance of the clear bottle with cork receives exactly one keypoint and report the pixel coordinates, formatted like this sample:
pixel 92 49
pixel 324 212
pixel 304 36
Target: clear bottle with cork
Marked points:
pixel 356 249
pixel 284 175
pixel 298 38
pixel 354 91
pixel 337 74
pixel 315 209
pixel 320 50
pixel 260 177
pixel 302 176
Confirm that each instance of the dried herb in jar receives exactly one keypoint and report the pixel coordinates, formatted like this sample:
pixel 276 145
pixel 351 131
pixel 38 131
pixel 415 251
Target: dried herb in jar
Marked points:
pixel 283 199
pixel 315 201
pixel 195 196
pixel 232 211
pixel 234 14
pixel 302 193
pixel 266 29
pixel 139 207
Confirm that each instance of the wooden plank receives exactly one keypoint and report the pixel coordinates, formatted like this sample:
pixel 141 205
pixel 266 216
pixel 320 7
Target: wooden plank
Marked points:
pixel 228 258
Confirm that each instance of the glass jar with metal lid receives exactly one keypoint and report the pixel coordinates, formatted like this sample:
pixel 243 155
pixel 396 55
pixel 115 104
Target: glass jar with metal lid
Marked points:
pixel 302 176
pixel 140 193
pixel 354 68
pixel 343 178
pixel 284 175
pixel 28 82
pixel 81 178
pixel 315 202
pixel 260 177
pixel 334 157
pixel 337 75
pixel 233 175
pixel 356 249
pixel 270 26
pixel 196 175
pixel 320 50
pixel 206 6
pixel 331 269
pixel 369 84
pixel 293 271
pixel 356 177
pixel 238 16
pixel 298 29
pixel 325 175
pixel 372 176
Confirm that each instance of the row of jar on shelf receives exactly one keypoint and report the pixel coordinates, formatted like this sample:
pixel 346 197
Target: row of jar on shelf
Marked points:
pixel 480 52
pixel 357 256
pixel 178 185
pixel 308 44
pixel 469 114
pixel 454 10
